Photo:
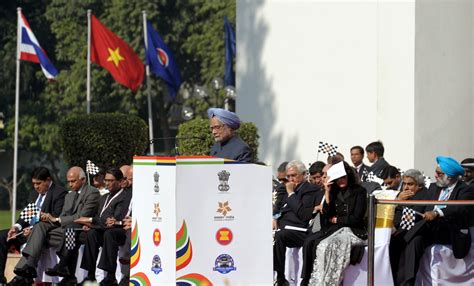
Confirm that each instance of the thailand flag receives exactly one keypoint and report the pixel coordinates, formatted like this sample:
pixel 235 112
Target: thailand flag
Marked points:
pixel 30 49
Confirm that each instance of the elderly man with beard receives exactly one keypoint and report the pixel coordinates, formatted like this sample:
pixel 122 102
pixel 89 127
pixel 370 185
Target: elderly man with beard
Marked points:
pixel 441 224
pixel 229 145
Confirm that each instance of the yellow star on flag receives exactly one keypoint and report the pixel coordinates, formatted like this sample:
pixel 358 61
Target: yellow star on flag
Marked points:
pixel 115 56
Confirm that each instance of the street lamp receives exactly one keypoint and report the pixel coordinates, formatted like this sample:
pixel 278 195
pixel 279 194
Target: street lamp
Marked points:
pixel 217 84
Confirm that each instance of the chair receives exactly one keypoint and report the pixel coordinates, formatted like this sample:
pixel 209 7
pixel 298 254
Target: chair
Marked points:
pixel 439 267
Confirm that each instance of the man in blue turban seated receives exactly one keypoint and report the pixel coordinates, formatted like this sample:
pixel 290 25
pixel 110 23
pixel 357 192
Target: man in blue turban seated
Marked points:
pixel 229 145
pixel 439 224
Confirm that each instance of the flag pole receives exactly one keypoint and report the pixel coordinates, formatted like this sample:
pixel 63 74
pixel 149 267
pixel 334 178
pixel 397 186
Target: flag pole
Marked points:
pixel 88 61
pixel 17 111
pixel 148 88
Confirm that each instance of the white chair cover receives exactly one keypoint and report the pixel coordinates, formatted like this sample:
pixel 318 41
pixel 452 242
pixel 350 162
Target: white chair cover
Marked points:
pixel 439 267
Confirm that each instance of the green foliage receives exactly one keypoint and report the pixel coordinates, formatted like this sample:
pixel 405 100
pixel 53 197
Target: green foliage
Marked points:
pixel 107 139
pixel 199 128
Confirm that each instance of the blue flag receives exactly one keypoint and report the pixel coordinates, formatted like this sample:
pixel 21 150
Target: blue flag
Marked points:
pixel 229 77
pixel 161 61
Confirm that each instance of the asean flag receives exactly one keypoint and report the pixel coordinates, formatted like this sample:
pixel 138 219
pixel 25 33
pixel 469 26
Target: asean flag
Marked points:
pixel 30 49
pixel 113 54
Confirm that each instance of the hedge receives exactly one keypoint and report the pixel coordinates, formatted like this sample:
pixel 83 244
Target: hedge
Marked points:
pixel 107 139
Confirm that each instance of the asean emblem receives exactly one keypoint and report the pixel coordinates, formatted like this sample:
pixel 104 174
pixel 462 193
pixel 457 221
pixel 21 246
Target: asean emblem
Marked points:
pixel 156 178
pixel 224 236
pixel 224 181
pixel 162 57
pixel 156 237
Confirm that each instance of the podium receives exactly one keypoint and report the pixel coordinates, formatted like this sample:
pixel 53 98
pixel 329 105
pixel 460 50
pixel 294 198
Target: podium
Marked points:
pixel 201 221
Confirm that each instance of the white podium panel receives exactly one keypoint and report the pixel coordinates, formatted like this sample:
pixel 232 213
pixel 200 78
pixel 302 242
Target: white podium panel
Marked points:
pixel 213 225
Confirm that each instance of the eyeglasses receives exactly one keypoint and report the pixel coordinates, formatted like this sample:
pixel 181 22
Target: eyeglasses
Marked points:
pixel 109 180
pixel 216 127
pixel 439 173
pixel 288 176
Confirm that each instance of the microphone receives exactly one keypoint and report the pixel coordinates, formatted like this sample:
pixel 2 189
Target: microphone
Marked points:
pixel 153 140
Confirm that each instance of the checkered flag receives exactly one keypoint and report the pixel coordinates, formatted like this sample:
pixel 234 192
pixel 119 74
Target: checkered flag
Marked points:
pixel 91 168
pixel 327 148
pixel 427 181
pixel 30 213
pixel 70 238
pixel 371 177
pixel 408 218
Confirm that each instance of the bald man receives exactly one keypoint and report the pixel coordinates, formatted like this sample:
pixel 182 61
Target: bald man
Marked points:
pixel 83 200
pixel 229 145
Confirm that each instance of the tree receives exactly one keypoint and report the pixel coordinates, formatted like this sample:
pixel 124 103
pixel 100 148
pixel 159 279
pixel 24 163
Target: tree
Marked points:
pixel 192 29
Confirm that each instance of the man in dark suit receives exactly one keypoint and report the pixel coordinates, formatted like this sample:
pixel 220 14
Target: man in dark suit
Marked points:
pixel 83 200
pixel 49 198
pixel 117 235
pixel 441 224
pixel 228 144
pixel 413 188
pixel 375 151
pixel 112 205
pixel 293 219
pixel 357 157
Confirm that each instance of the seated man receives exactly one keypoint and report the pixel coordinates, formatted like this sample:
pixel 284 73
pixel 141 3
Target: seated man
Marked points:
pixel 49 198
pixel 391 178
pixel 294 216
pixel 316 173
pixel 413 188
pixel 375 151
pixel 111 205
pixel 440 223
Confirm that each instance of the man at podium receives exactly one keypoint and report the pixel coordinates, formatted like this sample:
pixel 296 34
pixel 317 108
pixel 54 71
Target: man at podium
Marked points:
pixel 229 145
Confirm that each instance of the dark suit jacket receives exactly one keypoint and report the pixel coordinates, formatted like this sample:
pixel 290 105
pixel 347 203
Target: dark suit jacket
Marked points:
pixel 378 167
pixel 85 205
pixel 349 208
pixel 116 209
pixel 362 168
pixel 297 209
pixel 235 149
pixel 53 202
pixel 454 219
pixel 423 194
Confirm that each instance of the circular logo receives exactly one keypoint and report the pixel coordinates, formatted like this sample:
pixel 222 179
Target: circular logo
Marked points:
pixel 224 236
pixel 224 264
pixel 156 237
pixel 162 57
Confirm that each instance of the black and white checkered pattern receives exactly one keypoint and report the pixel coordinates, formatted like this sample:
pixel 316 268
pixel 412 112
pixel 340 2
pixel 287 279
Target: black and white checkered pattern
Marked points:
pixel 70 238
pixel 30 213
pixel 408 218
pixel 91 168
pixel 327 148
pixel 371 177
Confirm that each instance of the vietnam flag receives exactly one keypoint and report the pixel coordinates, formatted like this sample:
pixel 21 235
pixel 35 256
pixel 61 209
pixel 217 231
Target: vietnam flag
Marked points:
pixel 114 55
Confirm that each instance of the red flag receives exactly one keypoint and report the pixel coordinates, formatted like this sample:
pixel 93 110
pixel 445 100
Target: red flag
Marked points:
pixel 114 55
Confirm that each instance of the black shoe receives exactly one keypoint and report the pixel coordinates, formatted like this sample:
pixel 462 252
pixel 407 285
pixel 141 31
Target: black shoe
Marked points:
pixel 125 281
pixel 20 281
pixel 282 282
pixel 108 281
pixel 58 271
pixel 304 282
pixel 68 281
pixel 26 272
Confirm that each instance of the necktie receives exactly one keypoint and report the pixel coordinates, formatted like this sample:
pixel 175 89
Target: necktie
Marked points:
pixel 75 200
pixel 40 200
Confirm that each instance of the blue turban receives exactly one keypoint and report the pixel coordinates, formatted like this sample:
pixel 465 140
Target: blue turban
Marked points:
pixel 449 166
pixel 228 118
